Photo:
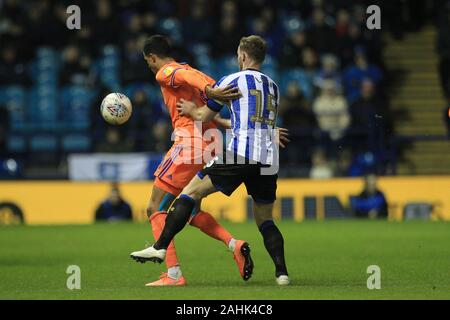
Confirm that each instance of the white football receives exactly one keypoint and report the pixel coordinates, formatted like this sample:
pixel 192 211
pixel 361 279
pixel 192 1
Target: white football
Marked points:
pixel 116 108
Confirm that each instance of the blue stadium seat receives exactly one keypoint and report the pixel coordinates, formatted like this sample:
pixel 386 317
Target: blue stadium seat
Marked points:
pixel 43 111
pixel 76 103
pixel 153 93
pixel 110 51
pixel 16 94
pixel 171 27
pixel 303 80
pixel 108 67
pixel 226 65
pixel 16 144
pixel 76 143
pixel 14 97
pixel 45 52
pixel 270 67
pixel 206 65
pixel 43 143
pixel 292 24
pixel 200 49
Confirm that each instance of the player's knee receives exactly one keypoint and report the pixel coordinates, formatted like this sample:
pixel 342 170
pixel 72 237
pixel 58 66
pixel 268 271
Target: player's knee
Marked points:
pixel 262 212
pixel 193 193
pixel 151 208
pixel 260 219
pixel 149 211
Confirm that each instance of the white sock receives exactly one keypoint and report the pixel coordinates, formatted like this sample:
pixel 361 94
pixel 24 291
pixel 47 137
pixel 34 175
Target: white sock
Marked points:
pixel 174 272
pixel 232 244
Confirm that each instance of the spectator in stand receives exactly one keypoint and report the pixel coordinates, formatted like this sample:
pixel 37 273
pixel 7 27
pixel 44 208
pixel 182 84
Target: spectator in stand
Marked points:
pixel 261 27
pixel 133 67
pixel 321 36
pixel 272 33
pixel 295 113
pixel 228 34
pixel 331 110
pixel 106 25
pixel 12 71
pixel 41 18
pixel 150 23
pixel 329 71
pixel 141 124
pixel 13 24
pixel 295 110
pixel 114 208
pixel 357 73
pixel 320 166
pixel 370 117
pixel 76 67
pixel 115 142
pixel 371 203
pixel 347 43
pixel 292 49
pixel 160 131
pixel 133 28
pixel 342 23
pixel 308 72
pixel 198 27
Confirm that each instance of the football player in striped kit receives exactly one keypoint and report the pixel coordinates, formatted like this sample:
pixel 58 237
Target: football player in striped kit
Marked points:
pixel 251 156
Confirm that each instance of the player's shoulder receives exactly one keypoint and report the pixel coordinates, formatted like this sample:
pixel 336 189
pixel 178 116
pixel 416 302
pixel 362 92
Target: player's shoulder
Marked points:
pixel 260 75
pixel 226 80
pixel 169 70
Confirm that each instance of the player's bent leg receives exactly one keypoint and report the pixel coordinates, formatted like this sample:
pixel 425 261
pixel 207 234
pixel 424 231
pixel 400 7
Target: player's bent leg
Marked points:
pixel 241 250
pixel 273 239
pixel 158 220
pixel 199 187
pixel 208 225
pixel 160 200
pixel 181 209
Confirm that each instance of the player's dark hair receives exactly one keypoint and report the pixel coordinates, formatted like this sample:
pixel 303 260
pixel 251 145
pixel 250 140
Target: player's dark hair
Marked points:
pixel 158 45
pixel 255 47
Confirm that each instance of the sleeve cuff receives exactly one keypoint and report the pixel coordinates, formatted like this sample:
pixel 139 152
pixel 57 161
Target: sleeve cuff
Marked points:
pixel 214 105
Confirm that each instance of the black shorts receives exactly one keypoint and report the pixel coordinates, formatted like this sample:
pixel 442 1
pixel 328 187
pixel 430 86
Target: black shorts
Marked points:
pixel 228 177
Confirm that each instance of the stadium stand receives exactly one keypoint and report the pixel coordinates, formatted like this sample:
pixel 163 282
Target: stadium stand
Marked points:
pixel 52 78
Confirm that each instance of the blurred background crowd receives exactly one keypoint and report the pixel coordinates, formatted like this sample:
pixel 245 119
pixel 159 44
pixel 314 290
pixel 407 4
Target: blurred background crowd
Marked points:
pixel 330 67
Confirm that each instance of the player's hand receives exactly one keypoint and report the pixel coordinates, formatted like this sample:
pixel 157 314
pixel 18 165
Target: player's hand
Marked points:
pixel 185 107
pixel 282 137
pixel 230 92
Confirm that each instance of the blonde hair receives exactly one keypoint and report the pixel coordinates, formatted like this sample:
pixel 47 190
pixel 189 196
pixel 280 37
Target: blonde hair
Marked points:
pixel 255 47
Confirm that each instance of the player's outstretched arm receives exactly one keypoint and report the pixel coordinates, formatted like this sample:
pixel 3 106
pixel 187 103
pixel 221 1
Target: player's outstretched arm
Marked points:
pixel 189 108
pixel 192 79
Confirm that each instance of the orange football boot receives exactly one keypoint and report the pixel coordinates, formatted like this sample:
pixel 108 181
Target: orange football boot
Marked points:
pixel 165 280
pixel 243 259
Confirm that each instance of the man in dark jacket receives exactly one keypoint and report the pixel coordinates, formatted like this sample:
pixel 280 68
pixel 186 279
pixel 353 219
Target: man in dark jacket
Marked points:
pixel 114 208
pixel 371 203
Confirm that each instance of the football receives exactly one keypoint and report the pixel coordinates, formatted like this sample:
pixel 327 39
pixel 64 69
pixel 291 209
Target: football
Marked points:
pixel 116 108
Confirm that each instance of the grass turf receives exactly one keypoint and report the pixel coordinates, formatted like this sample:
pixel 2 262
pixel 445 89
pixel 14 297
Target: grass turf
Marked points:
pixel 326 260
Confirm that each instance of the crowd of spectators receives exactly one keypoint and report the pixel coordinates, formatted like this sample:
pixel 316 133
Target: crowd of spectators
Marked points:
pixel 328 63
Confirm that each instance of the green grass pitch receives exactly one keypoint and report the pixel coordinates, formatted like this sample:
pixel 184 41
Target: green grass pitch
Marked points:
pixel 326 260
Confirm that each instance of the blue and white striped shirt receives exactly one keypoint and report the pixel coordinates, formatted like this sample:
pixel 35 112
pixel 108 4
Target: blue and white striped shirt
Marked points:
pixel 253 116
